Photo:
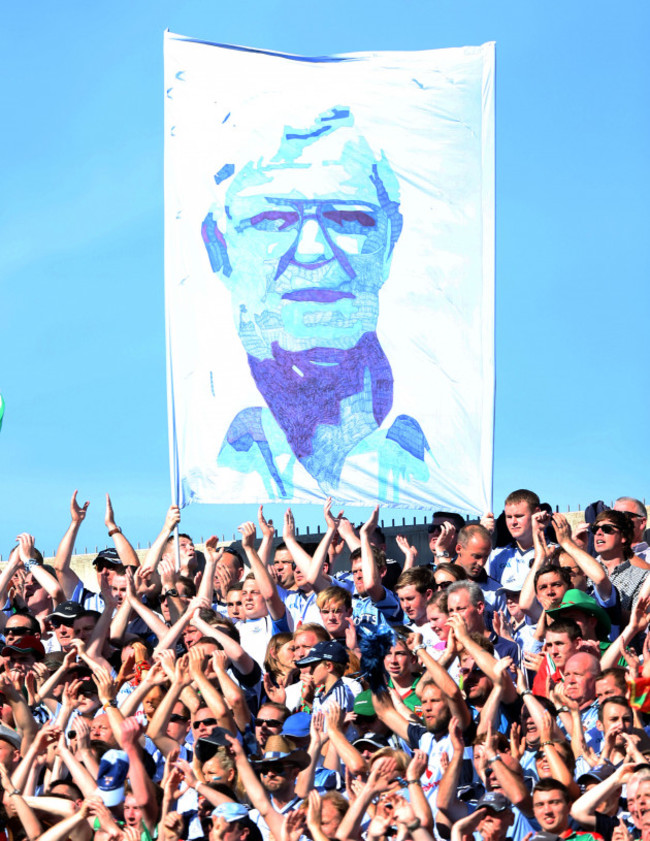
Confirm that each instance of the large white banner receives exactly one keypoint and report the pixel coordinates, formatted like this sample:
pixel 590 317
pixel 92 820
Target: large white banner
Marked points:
pixel 329 275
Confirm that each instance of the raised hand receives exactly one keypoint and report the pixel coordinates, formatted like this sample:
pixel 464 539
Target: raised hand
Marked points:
pixel 410 552
pixel 173 518
pixel 417 766
pixel 488 522
pixel 213 554
pixel 266 526
pixel 167 571
pixel 292 825
pixel 109 516
pixel 277 694
pixel 371 523
pixel 78 512
pixel 247 531
pixel 314 810
pixel 562 528
pixel 289 526
pixel 26 547
pixel 446 541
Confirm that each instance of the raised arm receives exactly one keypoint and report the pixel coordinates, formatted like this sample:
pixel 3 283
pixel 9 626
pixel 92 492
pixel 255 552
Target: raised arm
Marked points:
pixel 443 681
pixel 265 549
pixel 527 598
pixel 371 575
pixel 123 548
pixel 483 659
pixel 68 579
pixel 172 519
pixel 450 808
pixel 590 566
pixel 389 715
pixel 141 783
pixel 263 577
pixel 311 568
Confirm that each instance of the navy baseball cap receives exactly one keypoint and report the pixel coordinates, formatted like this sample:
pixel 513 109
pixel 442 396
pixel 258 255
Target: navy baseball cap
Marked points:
pixel 330 650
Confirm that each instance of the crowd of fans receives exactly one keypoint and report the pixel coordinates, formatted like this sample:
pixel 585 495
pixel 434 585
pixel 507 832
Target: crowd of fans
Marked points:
pixel 499 688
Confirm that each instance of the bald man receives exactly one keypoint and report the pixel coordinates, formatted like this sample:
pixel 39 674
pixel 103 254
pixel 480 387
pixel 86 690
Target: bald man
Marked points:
pixel 580 674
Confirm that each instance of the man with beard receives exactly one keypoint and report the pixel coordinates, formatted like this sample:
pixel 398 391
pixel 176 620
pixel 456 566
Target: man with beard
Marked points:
pixel 440 698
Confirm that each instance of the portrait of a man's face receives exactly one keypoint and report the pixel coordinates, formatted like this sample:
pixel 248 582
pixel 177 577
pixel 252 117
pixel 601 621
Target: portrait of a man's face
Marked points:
pixel 324 269
pixel 309 234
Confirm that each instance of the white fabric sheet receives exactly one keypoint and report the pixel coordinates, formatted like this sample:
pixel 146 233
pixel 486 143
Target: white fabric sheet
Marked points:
pixel 329 275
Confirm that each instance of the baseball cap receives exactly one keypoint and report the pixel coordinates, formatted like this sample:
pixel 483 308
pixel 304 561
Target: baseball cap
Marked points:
pixel 111 776
pixel 494 800
pixel 108 556
pixel 9 735
pixel 206 746
pixel 25 645
pixel 371 740
pixel 66 610
pixel 329 650
pixel 297 725
pixel 230 811
pixel 363 704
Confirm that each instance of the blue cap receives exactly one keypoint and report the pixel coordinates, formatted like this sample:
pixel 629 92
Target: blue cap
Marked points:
pixel 297 725
pixel 230 811
pixel 329 650
pixel 111 777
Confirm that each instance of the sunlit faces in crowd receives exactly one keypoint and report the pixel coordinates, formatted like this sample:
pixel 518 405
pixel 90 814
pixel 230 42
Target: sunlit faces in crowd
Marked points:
pixel 306 637
pixel 580 673
pixel 475 684
pixel 551 583
pixel 636 510
pixel 269 721
pixel 613 533
pixel 179 723
pixel 615 716
pixel 561 641
pixel 401 664
pixel 577 579
pixel 118 588
pixel 414 588
pixel 220 768
pixel 335 605
pixel 551 806
pixel 437 615
pixel 611 683
pixel 101 731
pixel 434 709
pixel 283 567
pixel 131 811
pixel 357 568
pixel 473 550
pixel 441 519
pixel 253 602
pixel 519 509
pixel 466 600
pixel 234 603
pixel 543 766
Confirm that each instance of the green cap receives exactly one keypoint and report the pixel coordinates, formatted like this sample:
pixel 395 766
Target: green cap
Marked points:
pixel 363 703
pixel 577 600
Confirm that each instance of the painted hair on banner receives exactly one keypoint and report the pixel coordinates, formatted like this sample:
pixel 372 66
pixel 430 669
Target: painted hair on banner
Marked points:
pixel 326 285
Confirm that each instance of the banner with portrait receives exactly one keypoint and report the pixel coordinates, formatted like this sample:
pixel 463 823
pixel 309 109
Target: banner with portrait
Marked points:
pixel 329 275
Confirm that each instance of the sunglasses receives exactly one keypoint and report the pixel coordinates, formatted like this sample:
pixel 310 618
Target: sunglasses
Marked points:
pixel 606 528
pixel 275 767
pixel 474 670
pixel 18 632
pixel 441 585
pixel 270 722
pixel 57 623
pixel 208 722
pixel 175 718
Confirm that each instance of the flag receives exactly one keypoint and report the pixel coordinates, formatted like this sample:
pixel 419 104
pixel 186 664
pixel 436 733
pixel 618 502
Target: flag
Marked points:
pixel 639 693
pixel 2 410
pixel 329 276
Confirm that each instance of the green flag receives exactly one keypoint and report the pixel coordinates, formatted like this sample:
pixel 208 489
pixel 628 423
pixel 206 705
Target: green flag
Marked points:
pixel 2 410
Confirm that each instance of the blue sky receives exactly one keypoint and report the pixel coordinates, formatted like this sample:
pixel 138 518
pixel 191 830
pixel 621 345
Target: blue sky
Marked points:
pixel 82 368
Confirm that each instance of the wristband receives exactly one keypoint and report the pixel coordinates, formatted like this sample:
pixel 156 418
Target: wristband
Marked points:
pixel 543 744
pixel 112 703
pixel 494 758
pixel 417 823
pixel 14 792
pixel 116 530
pixel 413 782
pixel 442 554
pixel 563 709
pixel 173 592
pixel 526 692
pixel 418 648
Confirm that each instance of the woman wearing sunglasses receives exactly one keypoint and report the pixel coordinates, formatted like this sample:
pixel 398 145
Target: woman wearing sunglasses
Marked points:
pixel 613 533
